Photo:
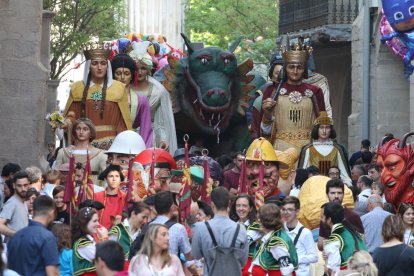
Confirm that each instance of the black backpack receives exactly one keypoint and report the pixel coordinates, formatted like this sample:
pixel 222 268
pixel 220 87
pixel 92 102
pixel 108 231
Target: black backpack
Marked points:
pixel 136 245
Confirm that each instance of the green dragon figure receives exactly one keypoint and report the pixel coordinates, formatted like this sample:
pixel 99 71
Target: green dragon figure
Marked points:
pixel 210 94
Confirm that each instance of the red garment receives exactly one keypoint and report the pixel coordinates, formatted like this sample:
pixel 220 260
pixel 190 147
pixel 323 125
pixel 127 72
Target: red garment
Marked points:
pixel 245 270
pixel 258 271
pixel 114 205
pixel 93 273
pixel 231 180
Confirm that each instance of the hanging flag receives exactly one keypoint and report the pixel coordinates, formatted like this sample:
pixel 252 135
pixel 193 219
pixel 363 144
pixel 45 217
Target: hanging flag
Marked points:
pixel 204 189
pixel 184 200
pixel 242 178
pixel 70 187
pixel 86 188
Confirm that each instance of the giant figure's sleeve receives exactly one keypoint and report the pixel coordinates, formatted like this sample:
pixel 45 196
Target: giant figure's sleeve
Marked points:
pixel 125 120
pixel 143 120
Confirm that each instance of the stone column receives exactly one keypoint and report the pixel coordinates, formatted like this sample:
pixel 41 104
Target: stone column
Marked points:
pixel 23 86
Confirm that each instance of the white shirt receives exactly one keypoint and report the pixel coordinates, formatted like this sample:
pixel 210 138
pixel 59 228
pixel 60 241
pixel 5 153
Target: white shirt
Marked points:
pixel 364 195
pixel 332 250
pixel 305 248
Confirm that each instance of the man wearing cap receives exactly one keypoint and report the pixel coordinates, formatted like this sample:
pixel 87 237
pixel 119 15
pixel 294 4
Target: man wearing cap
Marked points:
pixel 112 198
pixel 287 117
pixel 324 152
pixel 261 153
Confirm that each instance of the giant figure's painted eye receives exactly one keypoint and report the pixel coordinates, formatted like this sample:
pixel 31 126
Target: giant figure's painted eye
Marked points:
pixel 411 10
pixel 204 61
pixel 398 16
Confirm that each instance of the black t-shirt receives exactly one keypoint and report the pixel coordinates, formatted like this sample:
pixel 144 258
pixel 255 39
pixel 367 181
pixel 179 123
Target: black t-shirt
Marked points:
pixel 397 260
pixel 63 217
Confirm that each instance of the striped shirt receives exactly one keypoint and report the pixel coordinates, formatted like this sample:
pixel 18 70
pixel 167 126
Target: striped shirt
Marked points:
pixel 372 222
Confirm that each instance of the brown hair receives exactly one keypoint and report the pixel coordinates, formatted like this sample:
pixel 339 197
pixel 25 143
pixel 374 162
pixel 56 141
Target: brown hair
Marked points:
pixel 269 215
pixel 58 189
pixel 80 221
pixel 292 200
pixel 63 235
pixel 393 227
pixel 53 176
pixel 147 248
pixel 87 122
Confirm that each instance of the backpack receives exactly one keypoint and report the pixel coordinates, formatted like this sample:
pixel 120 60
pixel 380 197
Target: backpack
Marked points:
pixel 223 260
pixel 136 245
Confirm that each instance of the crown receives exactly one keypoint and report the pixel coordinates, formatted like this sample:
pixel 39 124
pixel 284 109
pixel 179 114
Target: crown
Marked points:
pixel 323 119
pixel 96 51
pixel 298 53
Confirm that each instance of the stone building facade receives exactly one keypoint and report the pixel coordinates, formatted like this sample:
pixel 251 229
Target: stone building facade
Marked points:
pixel 24 58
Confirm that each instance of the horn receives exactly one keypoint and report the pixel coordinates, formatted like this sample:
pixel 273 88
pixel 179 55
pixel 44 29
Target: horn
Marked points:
pixel 187 43
pixel 236 43
pixel 404 140
pixel 382 142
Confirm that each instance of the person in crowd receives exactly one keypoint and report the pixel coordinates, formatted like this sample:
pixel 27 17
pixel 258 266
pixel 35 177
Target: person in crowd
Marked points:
pixel 231 177
pixel 85 225
pixel 7 173
pixel 64 241
pixel 373 222
pixel 162 116
pixel 204 212
pixel 33 250
pixel 335 193
pixel 79 178
pixel 14 215
pixel 109 259
pixel 112 198
pixel 406 212
pixel 8 189
pixel 127 231
pixel 302 237
pixel 365 145
pixel 300 178
pixel 154 257
pixel 123 70
pixel 84 132
pixel 356 172
pixel 3 264
pixel 374 172
pixel 324 152
pixel 31 195
pixel 243 211
pixel 334 172
pixel 364 185
pixel 99 98
pixel 361 263
pixel 378 189
pixel 276 254
pixel 51 155
pixel 312 171
pixel 35 178
pixel 52 179
pixel 220 232
pixel 394 257
pixel 62 215
pixel 343 240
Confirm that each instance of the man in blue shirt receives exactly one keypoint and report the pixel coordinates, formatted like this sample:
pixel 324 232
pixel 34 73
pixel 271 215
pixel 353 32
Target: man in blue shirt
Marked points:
pixel 33 250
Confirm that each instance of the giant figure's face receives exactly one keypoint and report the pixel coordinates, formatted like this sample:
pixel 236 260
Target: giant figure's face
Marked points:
pixel 397 164
pixel 400 14
pixel 98 69
pixel 271 177
pixel 295 72
pixel 123 75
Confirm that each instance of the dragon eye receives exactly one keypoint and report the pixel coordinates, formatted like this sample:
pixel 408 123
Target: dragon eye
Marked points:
pixel 399 15
pixel 226 61
pixel 411 10
pixel 204 61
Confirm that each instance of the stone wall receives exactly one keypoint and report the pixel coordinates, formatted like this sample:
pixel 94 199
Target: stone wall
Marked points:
pixel 23 88
pixel 389 90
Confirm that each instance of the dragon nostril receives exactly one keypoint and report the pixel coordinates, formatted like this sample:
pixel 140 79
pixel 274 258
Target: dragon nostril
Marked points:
pixel 221 92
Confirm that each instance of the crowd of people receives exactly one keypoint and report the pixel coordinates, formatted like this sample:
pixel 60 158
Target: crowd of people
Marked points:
pixel 121 199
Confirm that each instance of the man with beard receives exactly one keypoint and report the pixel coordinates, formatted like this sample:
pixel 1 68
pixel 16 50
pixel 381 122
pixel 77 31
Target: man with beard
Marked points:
pixel 335 192
pixel 261 153
pixel 33 250
pixel 231 177
pixel 14 215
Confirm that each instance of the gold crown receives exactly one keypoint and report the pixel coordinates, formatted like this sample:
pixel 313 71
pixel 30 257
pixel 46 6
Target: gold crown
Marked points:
pixel 298 53
pixel 97 51
pixel 323 119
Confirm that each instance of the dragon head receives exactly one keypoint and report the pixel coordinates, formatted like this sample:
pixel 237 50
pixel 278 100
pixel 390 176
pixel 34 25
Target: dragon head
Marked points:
pixel 209 87
pixel 400 14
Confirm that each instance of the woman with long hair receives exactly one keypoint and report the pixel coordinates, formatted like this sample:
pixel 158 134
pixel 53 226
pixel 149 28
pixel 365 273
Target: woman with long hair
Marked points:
pixel 62 215
pixel 154 257
pixel 362 263
pixel 85 225
pixel 406 213
pixel 243 211
pixel 394 257
pixel 63 236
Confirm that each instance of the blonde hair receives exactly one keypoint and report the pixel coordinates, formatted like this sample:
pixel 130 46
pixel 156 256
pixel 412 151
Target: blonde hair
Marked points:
pixel 147 247
pixel 362 262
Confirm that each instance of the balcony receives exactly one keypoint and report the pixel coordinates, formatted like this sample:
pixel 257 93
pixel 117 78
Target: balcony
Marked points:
pixel 299 15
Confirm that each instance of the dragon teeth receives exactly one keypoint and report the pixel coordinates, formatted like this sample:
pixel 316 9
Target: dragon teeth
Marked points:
pixel 219 116
pixel 201 114
pixel 195 101
pixel 212 117
pixel 209 123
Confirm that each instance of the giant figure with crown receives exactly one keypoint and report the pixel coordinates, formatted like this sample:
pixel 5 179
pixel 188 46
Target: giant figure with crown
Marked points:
pixel 99 98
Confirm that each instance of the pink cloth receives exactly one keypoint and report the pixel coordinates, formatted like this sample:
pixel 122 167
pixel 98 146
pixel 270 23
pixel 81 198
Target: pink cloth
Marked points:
pixel 143 120
pixel 140 266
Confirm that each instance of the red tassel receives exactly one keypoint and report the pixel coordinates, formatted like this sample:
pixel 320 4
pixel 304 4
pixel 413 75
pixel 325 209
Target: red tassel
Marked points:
pixel 152 169
pixel 128 197
pixel 242 178
pixel 261 175
pixel 204 195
